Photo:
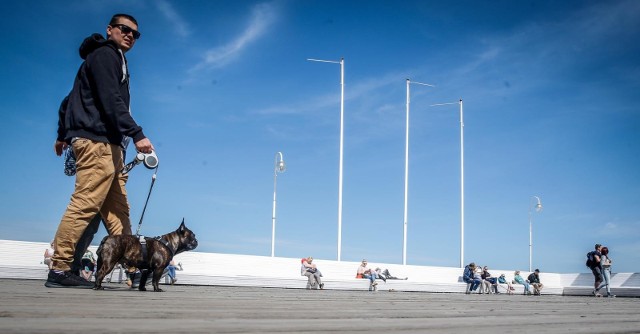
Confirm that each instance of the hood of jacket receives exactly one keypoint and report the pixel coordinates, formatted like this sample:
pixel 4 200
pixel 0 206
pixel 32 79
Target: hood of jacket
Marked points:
pixel 93 42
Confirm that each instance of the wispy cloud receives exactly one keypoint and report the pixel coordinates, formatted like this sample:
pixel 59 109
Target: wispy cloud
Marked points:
pixel 262 16
pixel 535 45
pixel 366 104
pixel 507 65
pixel 620 228
pixel 180 26
pixel 355 90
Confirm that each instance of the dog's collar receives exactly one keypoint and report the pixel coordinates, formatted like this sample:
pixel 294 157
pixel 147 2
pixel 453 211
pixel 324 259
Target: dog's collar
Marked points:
pixel 166 244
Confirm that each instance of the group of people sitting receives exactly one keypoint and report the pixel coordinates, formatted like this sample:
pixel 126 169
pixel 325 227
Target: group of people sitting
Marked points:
pixel 480 279
pixel 314 276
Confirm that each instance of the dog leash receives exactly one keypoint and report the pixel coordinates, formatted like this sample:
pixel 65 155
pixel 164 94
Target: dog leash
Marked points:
pixel 153 181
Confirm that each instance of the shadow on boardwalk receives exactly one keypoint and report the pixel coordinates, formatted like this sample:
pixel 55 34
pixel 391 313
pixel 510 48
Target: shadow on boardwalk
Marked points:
pixel 28 307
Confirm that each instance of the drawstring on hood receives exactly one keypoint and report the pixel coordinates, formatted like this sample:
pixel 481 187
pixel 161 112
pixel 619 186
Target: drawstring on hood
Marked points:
pixel 124 68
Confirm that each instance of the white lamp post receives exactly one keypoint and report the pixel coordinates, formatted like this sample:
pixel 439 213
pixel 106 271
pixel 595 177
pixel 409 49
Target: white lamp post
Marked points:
pixel 341 62
pixel 280 167
pixel 538 208
pixel 461 179
pixel 406 172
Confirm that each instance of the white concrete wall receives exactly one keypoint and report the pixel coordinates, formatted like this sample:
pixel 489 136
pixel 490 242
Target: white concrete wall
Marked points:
pixel 23 260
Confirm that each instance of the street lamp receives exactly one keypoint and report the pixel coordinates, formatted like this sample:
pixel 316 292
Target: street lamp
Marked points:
pixel 406 172
pixel 538 208
pixel 461 179
pixel 280 167
pixel 341 62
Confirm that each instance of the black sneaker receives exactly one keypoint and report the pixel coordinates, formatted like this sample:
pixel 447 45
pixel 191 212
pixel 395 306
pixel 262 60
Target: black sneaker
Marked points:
pixel 66 280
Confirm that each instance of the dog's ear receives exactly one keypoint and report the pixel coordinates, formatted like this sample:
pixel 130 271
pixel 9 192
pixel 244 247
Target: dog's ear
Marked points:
pixel 182 227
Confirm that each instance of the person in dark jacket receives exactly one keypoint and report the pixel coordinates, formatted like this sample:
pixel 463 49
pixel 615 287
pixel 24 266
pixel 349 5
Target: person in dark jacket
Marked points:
pixel 534 280
pixel 468 277
pixel 486 275
pixel 596 269
pixel 96 124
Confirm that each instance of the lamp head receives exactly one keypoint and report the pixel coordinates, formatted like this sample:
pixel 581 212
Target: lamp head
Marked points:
pixel 539 204
pixel 281 167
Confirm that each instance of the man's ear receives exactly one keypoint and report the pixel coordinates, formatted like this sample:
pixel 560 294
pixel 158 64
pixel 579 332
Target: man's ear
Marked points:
pixel 109 31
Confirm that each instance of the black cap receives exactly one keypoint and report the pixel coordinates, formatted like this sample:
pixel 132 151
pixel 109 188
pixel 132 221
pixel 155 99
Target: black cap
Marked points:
pixel 598 246
pixel 537 270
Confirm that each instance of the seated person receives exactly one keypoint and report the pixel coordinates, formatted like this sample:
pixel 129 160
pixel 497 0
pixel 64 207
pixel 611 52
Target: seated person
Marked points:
pixel 371 275
pixel 378 272
pixel 519 280
pixel 503 280
pixel 309 269
pixel 493 282
pixel 88 265
pixel 48 253
pixel 385 275
pixel 468 276
pixel 485 286
pixel 534 280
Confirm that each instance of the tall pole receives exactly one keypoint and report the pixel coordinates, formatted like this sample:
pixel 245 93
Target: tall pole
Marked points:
pixel 341 62
pixel 530 242
pixel 538 208
pixel 406 173
pixel 279 166
pixel 461 187
pixel 406 180
pixel 341 158
pixel 461 178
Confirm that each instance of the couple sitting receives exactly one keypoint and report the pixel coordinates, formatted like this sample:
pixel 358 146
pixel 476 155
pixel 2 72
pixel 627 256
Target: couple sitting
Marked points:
pixel 309 269
pixel 533 280
pixel 372 275
pixel 473 276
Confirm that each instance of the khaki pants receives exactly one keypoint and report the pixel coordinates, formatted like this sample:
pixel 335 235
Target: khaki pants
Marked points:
pixel 100 187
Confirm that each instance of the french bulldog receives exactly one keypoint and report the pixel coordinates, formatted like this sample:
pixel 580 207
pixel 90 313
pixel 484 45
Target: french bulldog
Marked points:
pixel 127 250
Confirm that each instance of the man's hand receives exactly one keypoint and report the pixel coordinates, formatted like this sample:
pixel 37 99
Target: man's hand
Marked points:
pixel 59 147
pixel 144 146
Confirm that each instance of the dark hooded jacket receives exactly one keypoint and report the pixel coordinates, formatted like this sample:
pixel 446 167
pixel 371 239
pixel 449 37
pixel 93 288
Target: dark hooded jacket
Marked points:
pixel 98 106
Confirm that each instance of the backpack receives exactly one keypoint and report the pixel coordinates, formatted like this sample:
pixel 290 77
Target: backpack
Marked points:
pixel 590 262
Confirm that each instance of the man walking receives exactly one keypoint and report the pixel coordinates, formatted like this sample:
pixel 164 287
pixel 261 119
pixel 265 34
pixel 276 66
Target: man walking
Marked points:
pixel 96 123
pixel 596 269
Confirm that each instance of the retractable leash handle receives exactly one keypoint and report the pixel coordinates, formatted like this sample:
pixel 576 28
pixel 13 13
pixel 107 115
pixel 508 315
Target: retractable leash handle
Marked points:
pixel 150 160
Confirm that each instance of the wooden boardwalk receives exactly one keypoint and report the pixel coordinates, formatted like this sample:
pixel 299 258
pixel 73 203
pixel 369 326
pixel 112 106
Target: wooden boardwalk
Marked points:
pixel 29 307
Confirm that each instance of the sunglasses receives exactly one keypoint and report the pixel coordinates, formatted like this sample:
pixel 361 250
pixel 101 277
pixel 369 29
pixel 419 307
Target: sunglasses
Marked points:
pixel 126 30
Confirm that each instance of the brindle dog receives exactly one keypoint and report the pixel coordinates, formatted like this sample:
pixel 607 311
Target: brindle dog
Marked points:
pixel 127 250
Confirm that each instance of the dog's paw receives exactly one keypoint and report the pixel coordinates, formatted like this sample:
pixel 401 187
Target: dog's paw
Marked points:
pixel 142 288
pixel 158 290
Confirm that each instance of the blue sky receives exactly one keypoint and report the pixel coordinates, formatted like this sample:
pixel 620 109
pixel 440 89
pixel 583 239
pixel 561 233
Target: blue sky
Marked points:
pixel 550 94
